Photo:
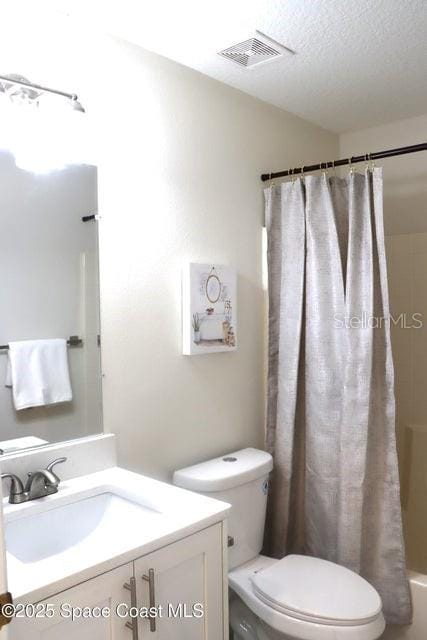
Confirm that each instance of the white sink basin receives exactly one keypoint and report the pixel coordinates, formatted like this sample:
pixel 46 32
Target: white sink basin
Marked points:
pixel 93 524
pixel 102 522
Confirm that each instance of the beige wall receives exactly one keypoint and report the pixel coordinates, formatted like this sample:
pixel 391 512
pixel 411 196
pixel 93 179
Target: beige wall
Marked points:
pixel 405 213
pixel 405 184
pixel 179 180
pixel 407 269
pixel 179 162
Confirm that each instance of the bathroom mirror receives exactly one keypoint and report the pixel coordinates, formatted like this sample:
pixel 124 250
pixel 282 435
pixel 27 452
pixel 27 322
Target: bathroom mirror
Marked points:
pixel 49 272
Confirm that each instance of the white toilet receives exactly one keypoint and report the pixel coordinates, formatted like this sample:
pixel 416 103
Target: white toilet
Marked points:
pixel 296 597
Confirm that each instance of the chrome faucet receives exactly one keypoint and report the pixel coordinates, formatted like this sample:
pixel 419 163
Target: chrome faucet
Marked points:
pixel 39 484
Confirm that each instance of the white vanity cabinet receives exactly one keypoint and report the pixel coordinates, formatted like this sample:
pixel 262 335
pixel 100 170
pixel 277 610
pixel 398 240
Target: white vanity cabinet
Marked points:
pixel 106 590
pixel 183 579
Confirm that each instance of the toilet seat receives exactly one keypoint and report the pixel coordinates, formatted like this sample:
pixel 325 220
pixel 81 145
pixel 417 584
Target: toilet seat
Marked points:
pixel 317 591
pixel 247 582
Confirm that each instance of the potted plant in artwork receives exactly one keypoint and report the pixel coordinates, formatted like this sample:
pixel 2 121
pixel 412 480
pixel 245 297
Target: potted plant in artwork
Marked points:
pixel 196 327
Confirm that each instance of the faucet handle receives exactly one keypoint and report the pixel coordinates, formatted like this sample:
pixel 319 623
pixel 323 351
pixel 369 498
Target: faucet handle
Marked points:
pixel 16 494
pixel 55 462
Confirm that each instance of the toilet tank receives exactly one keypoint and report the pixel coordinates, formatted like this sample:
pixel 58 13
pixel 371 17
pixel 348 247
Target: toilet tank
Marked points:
pixel 241 479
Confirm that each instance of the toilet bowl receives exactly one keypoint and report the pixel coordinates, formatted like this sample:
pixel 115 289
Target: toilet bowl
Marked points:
pixel 305 598
pixel 295 598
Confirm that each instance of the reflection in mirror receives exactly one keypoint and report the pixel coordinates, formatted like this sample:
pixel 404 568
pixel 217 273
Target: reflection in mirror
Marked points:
pixel 50 391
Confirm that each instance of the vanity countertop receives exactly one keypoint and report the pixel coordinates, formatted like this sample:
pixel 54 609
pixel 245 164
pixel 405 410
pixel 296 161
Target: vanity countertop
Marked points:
pixel 93 524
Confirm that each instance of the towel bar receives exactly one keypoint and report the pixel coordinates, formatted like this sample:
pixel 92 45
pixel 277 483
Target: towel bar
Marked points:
pixel 73 341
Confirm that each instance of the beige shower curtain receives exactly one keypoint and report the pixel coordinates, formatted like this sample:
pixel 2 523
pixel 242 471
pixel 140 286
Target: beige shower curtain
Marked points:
pixel 331 413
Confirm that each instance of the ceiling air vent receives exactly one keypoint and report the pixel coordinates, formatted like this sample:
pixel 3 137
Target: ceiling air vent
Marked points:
pixel 255 51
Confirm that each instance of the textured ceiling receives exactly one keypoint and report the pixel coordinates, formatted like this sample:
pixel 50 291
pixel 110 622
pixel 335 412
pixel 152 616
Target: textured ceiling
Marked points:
pixel 358 63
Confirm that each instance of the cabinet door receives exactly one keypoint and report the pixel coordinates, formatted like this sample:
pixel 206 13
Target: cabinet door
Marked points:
pixel 106 590
pixel 183 575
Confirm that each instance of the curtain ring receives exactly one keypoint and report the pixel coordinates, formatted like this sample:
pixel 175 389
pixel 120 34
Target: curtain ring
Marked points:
pixel 333 167
pixel 366 161
pixel 351 168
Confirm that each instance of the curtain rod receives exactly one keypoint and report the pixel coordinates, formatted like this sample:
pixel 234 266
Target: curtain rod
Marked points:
pixel 346 161
pixel 38 87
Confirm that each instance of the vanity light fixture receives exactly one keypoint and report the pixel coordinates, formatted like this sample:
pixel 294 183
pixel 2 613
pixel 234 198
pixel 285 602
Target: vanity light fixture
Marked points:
pixel 19 88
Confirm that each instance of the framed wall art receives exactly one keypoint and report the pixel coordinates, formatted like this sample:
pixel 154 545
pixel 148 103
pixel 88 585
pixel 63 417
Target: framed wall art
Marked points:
pixel 209 311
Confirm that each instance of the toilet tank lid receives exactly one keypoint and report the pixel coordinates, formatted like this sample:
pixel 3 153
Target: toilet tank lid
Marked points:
pixel 227 471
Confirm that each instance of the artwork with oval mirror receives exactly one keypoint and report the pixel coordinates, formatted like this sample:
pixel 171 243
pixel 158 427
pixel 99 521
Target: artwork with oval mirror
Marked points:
pixel 209 304
pixel 213 287
pixel 50 391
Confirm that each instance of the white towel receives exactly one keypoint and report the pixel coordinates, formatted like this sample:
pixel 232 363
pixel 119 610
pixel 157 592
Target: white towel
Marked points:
pixel 37 371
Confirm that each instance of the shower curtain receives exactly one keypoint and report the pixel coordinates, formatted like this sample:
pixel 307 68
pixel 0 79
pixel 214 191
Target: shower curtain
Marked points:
pixel 331 413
